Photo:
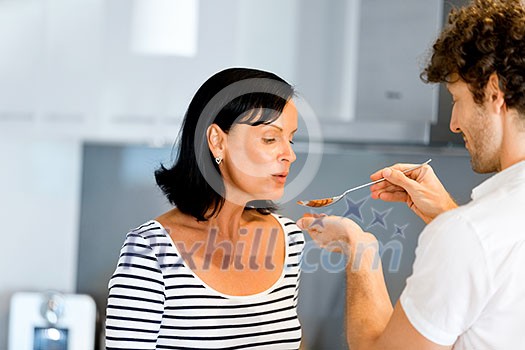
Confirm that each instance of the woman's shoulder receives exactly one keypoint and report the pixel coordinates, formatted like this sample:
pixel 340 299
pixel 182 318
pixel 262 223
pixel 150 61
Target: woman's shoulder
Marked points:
pixel 288 225
pixel 147 235
pixel 144 227
pixel 151 238
pixel 175 219
pixel 285 221
pixel 290 228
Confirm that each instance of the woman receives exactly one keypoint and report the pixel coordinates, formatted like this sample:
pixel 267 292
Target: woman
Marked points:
pixel 219 270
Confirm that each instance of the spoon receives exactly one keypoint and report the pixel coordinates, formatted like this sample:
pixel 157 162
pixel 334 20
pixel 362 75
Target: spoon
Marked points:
pixel 323 202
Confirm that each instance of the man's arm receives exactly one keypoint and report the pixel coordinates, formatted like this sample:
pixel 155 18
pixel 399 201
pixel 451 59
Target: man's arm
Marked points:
pixel 371 322
pixel 400 334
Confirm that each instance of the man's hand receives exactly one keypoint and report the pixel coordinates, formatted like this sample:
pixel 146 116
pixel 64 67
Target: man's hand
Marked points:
pixel 420 189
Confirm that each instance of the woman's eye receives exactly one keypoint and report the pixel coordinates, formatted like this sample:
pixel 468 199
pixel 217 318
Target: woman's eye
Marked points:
pixel 291 142
pixel 269 140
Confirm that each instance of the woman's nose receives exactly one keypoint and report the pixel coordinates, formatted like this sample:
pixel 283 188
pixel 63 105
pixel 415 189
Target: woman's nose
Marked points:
pixel 288 154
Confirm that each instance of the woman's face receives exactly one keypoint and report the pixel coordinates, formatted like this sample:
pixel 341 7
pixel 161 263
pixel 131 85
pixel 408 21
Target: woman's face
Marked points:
pixel 258 158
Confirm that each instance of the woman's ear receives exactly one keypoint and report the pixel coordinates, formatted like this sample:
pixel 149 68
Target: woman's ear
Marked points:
pixel 216 140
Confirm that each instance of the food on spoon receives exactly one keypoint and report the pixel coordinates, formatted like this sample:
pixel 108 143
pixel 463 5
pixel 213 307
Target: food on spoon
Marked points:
pixel 316 202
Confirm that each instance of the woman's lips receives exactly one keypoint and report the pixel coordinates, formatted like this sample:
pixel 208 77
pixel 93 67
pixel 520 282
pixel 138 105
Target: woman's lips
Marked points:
pixel 280 178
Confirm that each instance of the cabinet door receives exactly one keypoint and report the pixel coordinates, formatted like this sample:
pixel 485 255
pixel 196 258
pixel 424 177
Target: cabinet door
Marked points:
pixel 326 56
pixel 69 86
pixel 145 94
pixel 358 65
pixel 50 66
pixel 394 41
pixel 22 46
pixel 72 67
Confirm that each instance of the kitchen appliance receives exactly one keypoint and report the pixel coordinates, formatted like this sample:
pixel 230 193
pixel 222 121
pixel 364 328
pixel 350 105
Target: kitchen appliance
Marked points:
pixel 51 321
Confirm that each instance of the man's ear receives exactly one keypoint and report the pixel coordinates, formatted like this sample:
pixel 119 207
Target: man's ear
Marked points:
pixel 496 97
pixel 216 140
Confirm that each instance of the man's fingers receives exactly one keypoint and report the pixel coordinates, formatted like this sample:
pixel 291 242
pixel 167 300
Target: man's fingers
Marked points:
pixel 400 166
pixel 396 177
pixel 400 196
pixel 380 186
pixel 377 175
pixel 385 186
pixel 390 196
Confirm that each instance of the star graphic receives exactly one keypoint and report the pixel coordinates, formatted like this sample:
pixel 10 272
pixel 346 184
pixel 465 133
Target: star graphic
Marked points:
pixel 379 218
pixel 354 208
pixel 319 220
pixel 400 231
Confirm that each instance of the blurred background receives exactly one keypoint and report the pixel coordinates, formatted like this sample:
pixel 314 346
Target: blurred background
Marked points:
pixel 92 94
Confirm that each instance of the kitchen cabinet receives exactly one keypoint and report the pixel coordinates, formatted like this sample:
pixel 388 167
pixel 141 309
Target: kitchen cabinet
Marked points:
pixel 21 44
pixel 50 66
pixel 71 75
pixel 395 39
pixel 360 65
pixel 71 68
pixel 145 95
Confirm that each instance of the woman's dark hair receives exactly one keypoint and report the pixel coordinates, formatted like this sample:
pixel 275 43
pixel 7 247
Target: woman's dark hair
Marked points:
pixel 486 37
pixel 229 97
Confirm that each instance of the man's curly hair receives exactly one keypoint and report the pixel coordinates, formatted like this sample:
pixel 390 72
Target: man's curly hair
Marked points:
pixel 486 37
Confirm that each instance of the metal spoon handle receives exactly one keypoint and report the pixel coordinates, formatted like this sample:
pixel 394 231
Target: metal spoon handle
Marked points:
pixel 383 179
pixel 323 202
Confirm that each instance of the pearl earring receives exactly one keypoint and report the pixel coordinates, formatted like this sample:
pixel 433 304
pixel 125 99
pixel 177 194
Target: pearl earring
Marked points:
pixel 218 160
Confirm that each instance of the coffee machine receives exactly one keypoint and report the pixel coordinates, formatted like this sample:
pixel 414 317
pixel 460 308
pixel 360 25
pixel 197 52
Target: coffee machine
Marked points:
pixel 51 321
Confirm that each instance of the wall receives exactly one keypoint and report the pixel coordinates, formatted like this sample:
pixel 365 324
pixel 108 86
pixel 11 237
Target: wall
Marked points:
pixel 40 192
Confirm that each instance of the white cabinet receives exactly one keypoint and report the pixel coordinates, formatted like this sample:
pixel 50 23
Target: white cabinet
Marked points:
pixel 395 38
pixel 70 67
pixel 50 66
pixel 70 80
pixel 145 96
pixel 359 67
pixel 22 46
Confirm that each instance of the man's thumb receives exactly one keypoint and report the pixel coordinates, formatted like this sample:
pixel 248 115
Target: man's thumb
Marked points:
pixel 397 177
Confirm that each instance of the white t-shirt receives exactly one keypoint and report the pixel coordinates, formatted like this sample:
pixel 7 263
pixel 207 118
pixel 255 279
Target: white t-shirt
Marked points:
pixel 468 281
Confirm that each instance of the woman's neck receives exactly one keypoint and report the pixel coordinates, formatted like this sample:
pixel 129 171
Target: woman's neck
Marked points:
pixel 229 221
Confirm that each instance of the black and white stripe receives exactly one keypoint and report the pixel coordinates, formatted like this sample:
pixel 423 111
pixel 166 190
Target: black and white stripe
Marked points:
pixel 156 302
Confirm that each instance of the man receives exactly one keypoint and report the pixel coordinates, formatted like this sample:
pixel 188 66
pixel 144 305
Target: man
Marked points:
pixel 467 290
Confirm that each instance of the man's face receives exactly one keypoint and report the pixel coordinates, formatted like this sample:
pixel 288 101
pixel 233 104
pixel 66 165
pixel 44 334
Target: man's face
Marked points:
pixel 482 136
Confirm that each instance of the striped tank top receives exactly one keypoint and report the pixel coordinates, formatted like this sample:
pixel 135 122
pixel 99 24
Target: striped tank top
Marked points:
pixel 157 302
